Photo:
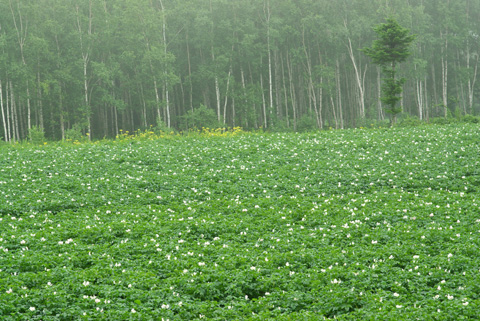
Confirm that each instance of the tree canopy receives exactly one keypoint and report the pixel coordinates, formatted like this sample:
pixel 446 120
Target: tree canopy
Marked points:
pixel 392 45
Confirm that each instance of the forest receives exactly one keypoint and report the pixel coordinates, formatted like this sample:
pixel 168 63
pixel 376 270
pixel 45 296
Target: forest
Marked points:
pixel 103 67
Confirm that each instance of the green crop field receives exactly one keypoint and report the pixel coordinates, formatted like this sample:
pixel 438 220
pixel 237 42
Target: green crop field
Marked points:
pixel 377 224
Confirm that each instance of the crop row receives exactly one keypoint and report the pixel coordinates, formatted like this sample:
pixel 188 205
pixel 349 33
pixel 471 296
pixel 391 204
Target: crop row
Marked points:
pixel 346 224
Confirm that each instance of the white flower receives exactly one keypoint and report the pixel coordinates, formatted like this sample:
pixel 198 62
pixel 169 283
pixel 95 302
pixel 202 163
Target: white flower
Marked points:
pixel 9 290
pixel 465 303
pixel 449 255
pixel 86 283
pixel 32 309
pixel 133 311
pixel 252 268
pixel 399 306
pixel 396 294
pixel 450 297
pixel 415 257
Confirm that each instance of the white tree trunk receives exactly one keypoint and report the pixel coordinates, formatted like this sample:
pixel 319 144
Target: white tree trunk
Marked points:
pixel 264 103
pixel 226 96
pixel 311 87
pixel 339 95
pixel 420 102
pixel 245 100
pixel 292 93
pixel 270 83
pixel 3 114
pixel 9 123
pixel 285 95
pixel 217 93
pixel 85 51
pixel 167 98
pixel 471 81
pixel 444 73
pixel 334 112
pixel 190 71
pixel 15 133
pixel 358 78
pixel 427 114
pixel 380 114
pixel 85 96
pixel 62 121
pixel 21 30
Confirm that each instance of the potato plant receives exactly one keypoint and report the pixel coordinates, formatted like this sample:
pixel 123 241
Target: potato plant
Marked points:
pixel 377 224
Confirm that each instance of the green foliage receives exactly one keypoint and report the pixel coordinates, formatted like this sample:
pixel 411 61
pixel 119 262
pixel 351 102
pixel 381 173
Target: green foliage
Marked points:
pixel 75 134
pixel 307 123
pixel 467 119
pixel 201 117
pixel 36 135
pixel 371 123
pixel 470 119
pixel 110 65
pixel 442 120
pixel 392 45
pixel 410 121
pixel 162 128
pixel 347 225
pixel 279 125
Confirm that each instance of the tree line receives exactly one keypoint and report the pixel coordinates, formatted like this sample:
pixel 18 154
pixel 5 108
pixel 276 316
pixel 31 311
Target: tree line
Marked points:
pixel 98 66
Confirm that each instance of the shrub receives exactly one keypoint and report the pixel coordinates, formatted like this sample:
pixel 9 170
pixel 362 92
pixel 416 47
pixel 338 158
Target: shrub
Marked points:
pixel 307 123
pixel 36 135
pixel 200 117
pixel 470 119
pixel 409 121
pixel 442 120
pixel 75 134
pixel 280 125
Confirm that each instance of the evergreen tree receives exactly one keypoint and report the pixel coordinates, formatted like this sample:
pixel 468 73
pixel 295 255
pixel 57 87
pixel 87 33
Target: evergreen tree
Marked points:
pixel 391 48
